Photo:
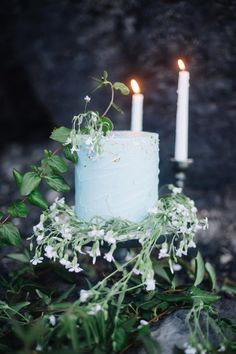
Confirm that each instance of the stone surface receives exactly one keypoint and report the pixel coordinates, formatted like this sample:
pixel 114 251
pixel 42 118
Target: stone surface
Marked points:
pixel 172 331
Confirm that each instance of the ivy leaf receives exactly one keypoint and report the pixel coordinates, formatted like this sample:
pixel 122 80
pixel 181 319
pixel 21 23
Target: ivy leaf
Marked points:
pixel 9 234
pixel 60 134
pixel 30 181
pixel 117 108
pixel 18 209
pixel 106 124
pixel 199 269
pixel 57 164
pixel 36 198
pixel 212 274
pixel 121 87
pixel 18 177
pixel 57 183
pixel 73 157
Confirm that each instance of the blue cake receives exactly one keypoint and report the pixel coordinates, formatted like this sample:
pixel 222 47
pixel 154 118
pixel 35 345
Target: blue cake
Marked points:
pixel 120 182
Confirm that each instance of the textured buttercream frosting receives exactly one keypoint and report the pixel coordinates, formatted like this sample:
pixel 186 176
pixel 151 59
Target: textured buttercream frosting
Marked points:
pixel 120 182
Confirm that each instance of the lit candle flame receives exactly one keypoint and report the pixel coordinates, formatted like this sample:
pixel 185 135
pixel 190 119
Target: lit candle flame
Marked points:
pixel 135 86
pixel 181 64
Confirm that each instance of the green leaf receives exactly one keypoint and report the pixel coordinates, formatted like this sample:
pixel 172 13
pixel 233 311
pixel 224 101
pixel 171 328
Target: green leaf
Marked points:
pixel 18 177
pixel 122 87
pixel 106 124
pixel 117 108
pixel 1 214
pixel 105 75
pixel 68 155
pixel 30 181
pixel 21 257
pixel 212 274
pixel 9 234
pixel 57 164
pixel 36 198
pixel 199 269
pixel 18 209
pixel 199 295
pixel 60 134
pixel 57 183
pixel 150 344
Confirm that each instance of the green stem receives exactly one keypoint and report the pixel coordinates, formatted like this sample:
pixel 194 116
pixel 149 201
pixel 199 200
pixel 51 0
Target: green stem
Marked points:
pixel 112 99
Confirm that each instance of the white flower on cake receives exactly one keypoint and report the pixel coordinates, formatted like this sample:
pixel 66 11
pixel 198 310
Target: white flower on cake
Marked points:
pixel 87 99
pixel 84 295
pixel 50 252
pixel 95 309
pixel 36 260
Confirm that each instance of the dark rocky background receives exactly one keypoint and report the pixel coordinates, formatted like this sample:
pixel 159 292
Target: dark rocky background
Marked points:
pixel 50 48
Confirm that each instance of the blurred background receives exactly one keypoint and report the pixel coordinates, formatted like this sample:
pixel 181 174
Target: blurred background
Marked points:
pixel 50 48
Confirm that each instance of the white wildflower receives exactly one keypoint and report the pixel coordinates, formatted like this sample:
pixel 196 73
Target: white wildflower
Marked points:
pixel 52 320
pixel 73 149
pixel 189 349
pixel 84 295
pixel 66 233
pixel 95 309
pixel 222 348
pixel 94 117
pixel 191 244
pixel 39 239
pixel 75 268
pixel 175 190
pixel 143 322
pixel 109 237
pixel 176 267
pixel 96 233
pixel 36 260
pixel 39 348
pixel 109 256
pixel 50 252
pixel 38 229
pixel 136 271
pixel 150 282
pixel 87 99
pixel 163 251
pixel 67 264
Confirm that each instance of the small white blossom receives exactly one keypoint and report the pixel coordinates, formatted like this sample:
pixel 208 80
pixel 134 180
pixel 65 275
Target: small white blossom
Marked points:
pixel 52 320
pixel 87 99
pixel 38 229
pixel 94 117
pixel 96 233
pixel 109 237
pixel 66 233
pixel 176 267
pixel 150 283
pixel 143 322
pixel 94 310
pixel 84 295
pixel 175 190
pixel 36 260
pixel 136 271
pixel 191 244
pixel 50 252
pixel 109 256
pixel 189 349
pixel 73 149
pixel 67 264
pixel 39 239
pixel 163 251
pixel 222 348
pixel 75 268
pixel 39 348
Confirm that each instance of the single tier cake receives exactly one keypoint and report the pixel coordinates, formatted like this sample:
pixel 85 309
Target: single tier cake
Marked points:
pixel 120 182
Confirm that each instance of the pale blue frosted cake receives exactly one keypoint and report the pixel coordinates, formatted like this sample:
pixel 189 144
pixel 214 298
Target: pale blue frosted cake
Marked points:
pixel 120 182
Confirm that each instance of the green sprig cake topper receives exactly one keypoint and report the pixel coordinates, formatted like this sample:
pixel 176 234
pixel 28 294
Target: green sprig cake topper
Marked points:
pixel 114 312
